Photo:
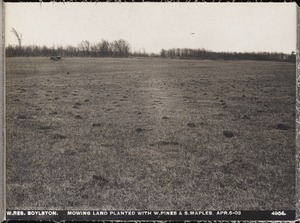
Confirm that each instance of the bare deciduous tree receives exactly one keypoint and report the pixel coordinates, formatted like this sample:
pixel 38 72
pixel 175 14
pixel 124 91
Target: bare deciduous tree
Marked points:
pixel 85 47
pixel 121 47
pixel 104 48
pixel 19 37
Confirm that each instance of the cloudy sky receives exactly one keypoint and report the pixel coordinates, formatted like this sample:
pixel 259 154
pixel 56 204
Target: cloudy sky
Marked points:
pixel 242 27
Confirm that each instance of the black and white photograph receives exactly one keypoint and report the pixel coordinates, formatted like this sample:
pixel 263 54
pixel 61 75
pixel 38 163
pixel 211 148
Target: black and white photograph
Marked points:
pixel 150 106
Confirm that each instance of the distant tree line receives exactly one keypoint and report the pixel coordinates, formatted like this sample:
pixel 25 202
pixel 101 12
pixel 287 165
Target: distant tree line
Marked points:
pixel 121 48
pixel 118 48
pixel 204 54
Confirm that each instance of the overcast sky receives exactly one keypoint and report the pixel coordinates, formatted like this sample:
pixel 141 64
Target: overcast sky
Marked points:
pixel 241 27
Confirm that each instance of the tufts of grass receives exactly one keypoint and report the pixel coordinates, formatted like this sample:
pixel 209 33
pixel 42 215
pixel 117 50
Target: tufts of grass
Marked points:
pixel 150 134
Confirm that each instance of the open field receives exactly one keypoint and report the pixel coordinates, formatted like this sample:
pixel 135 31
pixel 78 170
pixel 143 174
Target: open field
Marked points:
pixel 131 133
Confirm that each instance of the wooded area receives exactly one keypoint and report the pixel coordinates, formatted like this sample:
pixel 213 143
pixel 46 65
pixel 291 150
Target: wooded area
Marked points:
pixel 121 48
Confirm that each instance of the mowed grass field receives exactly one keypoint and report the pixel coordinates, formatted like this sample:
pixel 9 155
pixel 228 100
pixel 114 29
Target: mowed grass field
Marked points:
pixel 150 133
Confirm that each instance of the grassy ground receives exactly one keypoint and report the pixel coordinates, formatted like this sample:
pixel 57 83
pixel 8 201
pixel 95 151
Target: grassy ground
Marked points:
pixel 150 134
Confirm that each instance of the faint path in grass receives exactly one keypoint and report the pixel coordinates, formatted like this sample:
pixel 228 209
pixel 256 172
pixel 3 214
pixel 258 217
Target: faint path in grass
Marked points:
pixel 149 134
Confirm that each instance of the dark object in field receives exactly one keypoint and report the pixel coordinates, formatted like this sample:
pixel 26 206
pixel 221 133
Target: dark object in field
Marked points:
pixel 246 117
pixel 164 143
pixel 165 118
pixel 70 152
pixel 101 180
pixel 139 130
pixel 45 127
pixel 68 72
pixel 228 134
pixel 21 117
pixel 96 125
pixel 191 125
pixel 281 126
pixel 78 117
pixel 59 136
pixel 55 58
